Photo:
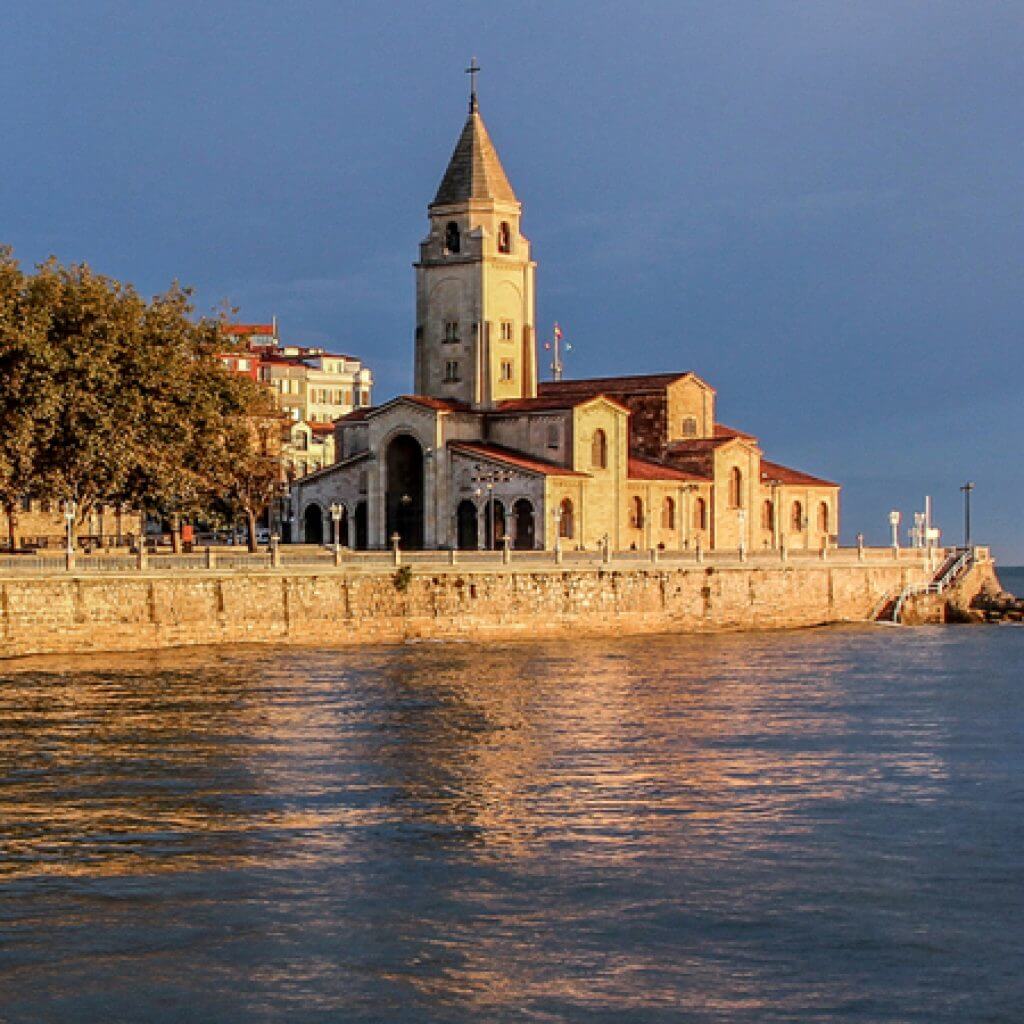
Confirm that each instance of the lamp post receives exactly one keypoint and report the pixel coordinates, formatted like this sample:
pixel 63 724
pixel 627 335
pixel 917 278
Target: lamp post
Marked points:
pixel 894 524
pixel 557 516
pixel 70 512
pixel 336 513
pixel 743 534
pixel 967 488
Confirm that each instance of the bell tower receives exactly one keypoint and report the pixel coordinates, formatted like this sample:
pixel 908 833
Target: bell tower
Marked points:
pixel 475 300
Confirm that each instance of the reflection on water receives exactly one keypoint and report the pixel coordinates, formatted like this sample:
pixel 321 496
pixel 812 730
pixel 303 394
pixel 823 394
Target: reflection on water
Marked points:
pixel 820 825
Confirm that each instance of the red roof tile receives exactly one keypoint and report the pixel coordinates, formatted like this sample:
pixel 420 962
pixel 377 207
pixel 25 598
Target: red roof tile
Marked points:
pixel 511 457
pixel 643 383
pixel 721 430
pixel 550 403
pixel 245 329
pixel 784 475
pixel 441 404
pixel 647 469
pixel 322 428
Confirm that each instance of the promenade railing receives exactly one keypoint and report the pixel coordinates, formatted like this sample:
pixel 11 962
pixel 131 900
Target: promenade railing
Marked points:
pixel 290 557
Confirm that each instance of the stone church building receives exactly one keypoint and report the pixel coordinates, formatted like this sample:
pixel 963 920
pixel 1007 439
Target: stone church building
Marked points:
pixel 485 451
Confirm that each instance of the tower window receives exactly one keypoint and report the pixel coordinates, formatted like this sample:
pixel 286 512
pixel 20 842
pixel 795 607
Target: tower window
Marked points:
pixel 504 237
pixel 451 371
pixel 451 331
pixel 506 369
pixel 599 450
pixel 689 426
pixel 506 330
pixel 452 238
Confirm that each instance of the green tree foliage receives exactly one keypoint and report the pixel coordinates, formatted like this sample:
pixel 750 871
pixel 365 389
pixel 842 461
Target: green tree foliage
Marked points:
pixel 108 398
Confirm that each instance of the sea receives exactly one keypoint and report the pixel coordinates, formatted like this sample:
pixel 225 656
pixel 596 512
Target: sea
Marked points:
pixel 818 825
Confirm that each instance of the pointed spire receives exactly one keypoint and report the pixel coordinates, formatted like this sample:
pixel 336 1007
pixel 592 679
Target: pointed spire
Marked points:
pixel 474 171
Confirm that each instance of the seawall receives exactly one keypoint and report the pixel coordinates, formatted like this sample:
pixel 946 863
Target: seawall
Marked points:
pixel 141 611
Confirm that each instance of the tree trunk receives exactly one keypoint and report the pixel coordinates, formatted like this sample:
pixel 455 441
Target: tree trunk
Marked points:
pixel 250 525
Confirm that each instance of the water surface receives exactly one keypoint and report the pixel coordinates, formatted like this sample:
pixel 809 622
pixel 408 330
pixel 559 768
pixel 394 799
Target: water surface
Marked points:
pixel 823 825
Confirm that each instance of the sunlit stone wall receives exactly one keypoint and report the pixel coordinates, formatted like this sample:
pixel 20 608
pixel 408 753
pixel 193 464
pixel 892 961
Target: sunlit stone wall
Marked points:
pixel 65 615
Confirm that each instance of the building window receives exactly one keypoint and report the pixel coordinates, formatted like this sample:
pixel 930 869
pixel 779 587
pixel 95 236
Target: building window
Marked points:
pixel 451 331
pixel 452 238
pixel 565 523
pixel 700 514
pixel 363 480
pixel 689 426
pixel 797 517
pixel 823 517
pixel 735 488
pixel 636 513
pixel 599 450
pixel 302 442
pixel 553 441
pixel 506 369
pixel 451 371
pixel 506 330
pixel 504 237
pixel 767 515
pixel 668 514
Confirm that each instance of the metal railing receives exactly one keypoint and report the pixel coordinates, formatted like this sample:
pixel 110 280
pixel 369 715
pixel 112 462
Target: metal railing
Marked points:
pixel 955 563
pixel 289 557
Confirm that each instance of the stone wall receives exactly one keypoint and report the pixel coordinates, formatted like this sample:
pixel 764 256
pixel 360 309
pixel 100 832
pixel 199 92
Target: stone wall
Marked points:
pixel 326 607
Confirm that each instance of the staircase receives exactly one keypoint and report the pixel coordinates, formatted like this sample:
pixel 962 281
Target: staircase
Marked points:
pixel 956 563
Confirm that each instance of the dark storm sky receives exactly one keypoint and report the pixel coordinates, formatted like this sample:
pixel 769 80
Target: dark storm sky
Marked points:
pixel 816 206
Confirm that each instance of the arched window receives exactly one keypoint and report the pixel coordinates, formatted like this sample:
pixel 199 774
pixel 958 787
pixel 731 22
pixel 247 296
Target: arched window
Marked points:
pixel 689 426
pixel 735 488
pixel 452 238
pixel 504 237
pixel 797 519
pixel 767 515
pixel 823 517
pixel 599 450
pixel 668 514
pixel 565 523
pixel 700 514
pixel 636 515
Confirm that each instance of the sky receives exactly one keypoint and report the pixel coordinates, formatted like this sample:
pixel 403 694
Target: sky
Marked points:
pixel 817 207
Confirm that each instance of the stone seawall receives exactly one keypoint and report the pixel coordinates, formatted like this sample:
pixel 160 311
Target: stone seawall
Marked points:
pixel 74 614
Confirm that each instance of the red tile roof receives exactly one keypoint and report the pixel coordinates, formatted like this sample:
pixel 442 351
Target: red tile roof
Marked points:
pixel 784 475
pixel 721 430
pixel 441 404
pixel 647 469
pixel 511 457
pixel 244 329
pixel 550 403
pixel 322 428
pixel 637 384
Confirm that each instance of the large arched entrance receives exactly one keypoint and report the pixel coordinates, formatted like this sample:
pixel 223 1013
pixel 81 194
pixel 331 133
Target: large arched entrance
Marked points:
pixel 404 501
pixel 468 532
pixel 313 524
pixel 359 520
pixel 522 514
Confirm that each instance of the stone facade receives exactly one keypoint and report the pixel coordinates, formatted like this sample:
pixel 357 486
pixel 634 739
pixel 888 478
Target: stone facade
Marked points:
pixel 137 612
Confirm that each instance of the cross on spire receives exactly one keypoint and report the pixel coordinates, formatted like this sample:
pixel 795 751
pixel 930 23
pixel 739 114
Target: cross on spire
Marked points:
pixel 473 70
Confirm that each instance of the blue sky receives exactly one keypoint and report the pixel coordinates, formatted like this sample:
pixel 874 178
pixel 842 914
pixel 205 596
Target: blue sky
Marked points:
pixel 815 206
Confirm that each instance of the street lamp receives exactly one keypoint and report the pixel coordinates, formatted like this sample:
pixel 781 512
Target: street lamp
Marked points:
pixel 967 488
pixel 894 523
pixel 557 516
pixel 743 533
pixel 70 512
pixel 336 513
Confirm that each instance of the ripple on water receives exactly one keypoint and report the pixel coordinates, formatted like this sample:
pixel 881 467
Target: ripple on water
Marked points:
pixel 821 825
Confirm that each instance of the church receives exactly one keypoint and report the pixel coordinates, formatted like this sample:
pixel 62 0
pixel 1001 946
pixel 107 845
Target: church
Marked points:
pixel 485 454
